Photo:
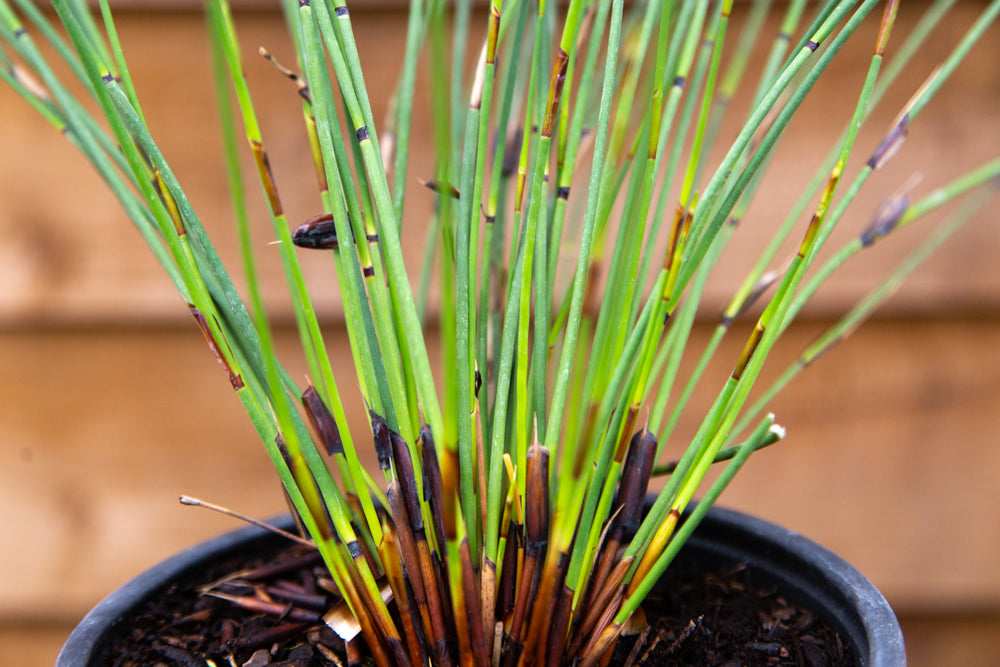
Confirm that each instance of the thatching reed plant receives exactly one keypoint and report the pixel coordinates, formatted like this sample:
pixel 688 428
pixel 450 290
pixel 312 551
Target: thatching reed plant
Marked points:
pixel 577 220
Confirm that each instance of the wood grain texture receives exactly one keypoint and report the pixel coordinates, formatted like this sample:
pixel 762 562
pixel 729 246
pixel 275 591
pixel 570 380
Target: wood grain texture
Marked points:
pixel 969 640
pixel 31 645
pixel 73 257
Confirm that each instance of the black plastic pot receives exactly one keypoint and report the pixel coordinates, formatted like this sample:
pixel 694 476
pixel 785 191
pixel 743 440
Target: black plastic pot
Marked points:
pixel 803 571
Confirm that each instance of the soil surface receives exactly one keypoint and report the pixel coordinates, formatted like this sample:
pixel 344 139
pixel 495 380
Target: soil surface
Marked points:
pixel 712 619
pixel 722 619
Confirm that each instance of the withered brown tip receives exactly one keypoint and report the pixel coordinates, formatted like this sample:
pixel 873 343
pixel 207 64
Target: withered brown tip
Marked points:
pixel 318 232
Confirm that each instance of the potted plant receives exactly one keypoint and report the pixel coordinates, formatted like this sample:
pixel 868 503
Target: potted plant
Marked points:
pixel 521 469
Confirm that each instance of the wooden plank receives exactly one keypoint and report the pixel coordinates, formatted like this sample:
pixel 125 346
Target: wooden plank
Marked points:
pixel 71 258
pixel 934 640
pixel 31 645
pixel 889 460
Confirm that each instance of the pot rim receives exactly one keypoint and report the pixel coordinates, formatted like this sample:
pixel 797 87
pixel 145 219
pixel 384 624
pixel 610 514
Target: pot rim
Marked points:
pixel 809 573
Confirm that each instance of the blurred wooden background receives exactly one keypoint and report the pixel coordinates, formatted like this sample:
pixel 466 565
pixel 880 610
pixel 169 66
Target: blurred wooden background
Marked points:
pixel 111 407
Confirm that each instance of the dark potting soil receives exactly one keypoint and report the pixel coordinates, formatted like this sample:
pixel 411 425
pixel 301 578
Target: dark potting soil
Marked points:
pixel 708 619
pixel 181 626
pixel 724 619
